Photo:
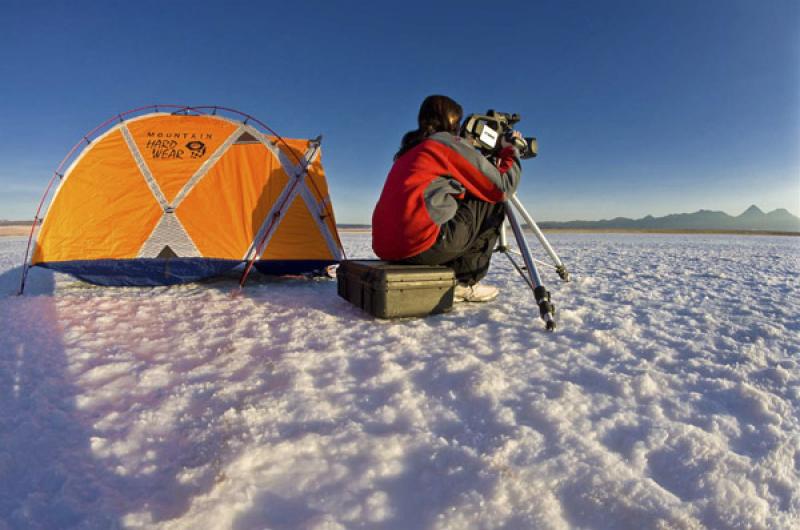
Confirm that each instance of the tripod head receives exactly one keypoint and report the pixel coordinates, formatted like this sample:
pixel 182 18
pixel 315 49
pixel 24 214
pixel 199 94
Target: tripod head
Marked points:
pixel 485 131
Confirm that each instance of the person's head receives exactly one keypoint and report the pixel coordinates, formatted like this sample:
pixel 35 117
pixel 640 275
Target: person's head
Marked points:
pixel 439 114
pixel 436 114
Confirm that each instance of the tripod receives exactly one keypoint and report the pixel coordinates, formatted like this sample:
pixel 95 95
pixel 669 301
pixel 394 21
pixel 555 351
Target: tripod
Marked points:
pixel 529 272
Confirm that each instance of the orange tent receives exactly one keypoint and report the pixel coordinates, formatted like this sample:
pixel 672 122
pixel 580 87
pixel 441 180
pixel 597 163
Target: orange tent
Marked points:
pixel 163 198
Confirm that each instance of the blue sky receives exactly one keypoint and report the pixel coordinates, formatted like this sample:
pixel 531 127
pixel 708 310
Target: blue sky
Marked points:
pixel 640 107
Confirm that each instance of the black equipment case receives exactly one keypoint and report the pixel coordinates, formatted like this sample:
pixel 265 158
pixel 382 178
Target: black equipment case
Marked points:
pixel 390 290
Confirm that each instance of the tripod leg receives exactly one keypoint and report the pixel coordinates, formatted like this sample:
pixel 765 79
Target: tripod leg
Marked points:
pixel 540 294
pixel 502 244
pixel 560 268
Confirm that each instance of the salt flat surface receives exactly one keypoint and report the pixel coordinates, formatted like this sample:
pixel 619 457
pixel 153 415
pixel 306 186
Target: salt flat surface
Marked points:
pixel 668 398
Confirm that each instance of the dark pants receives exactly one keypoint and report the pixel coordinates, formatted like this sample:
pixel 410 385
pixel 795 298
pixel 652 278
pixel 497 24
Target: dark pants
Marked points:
pixel 466 241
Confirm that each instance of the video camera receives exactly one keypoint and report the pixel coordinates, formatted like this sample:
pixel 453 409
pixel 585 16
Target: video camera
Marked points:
pixel 485 131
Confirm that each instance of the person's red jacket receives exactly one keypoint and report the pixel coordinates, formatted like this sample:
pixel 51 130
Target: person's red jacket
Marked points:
pixel 422 188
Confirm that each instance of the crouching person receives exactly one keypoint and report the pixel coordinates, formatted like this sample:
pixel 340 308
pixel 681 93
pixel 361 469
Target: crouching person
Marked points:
pixel 442 200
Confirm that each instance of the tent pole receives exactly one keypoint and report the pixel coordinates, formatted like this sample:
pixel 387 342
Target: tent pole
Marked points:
pixel 303 171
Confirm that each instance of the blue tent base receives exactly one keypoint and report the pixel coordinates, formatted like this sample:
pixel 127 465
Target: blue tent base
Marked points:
pixel 150 272
pixel 143 272
pixel 293 266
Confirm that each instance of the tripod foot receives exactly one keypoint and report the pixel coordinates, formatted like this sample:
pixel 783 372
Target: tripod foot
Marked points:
pixel 562 273
pixel 546 309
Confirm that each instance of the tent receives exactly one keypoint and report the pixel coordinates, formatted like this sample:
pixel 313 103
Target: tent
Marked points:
pixel 166 197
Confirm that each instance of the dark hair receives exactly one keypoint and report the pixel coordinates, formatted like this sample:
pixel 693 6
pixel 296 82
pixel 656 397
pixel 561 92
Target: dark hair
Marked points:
pixel 436 114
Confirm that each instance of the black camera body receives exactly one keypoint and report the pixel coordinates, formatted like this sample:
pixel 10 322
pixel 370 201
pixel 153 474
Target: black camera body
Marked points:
pixel 485 131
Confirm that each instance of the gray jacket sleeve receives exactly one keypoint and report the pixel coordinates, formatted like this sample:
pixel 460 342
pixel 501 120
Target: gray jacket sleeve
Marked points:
pixel 440 198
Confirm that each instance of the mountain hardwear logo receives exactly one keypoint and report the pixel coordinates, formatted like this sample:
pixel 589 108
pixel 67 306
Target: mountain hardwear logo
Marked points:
pixel 167 145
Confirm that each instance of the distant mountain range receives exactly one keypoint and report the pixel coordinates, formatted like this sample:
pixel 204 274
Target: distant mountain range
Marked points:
pixel 752 219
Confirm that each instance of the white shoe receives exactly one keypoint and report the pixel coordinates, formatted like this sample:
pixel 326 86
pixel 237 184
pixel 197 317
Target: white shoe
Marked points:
pixel 475 293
